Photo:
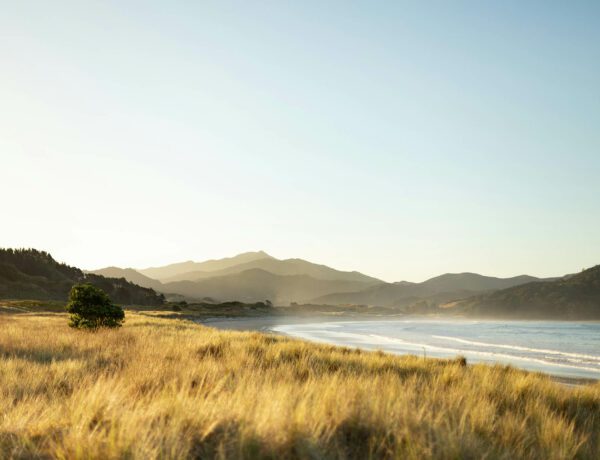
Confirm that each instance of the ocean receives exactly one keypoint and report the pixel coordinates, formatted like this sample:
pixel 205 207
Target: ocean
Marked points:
pixel 562 348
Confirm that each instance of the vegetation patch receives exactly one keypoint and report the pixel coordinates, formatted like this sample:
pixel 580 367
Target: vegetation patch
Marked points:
pixel 90 308
pixel 158 388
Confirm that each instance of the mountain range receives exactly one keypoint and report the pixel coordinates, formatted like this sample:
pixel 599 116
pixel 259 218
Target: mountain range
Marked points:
pixel 257 276
pixel 255 284
pixel 435 290
pixel 172 271
pixel 269 264
pixel 249 277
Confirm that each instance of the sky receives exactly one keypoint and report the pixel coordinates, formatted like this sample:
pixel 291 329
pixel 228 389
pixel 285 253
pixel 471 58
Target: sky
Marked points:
pixel 400 139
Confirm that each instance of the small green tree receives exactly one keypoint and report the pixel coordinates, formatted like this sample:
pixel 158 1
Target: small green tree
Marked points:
pixel 91 308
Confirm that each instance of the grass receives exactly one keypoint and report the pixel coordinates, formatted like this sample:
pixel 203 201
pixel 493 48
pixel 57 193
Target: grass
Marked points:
pixel 24 306
pixel 203 310
pixel 160 388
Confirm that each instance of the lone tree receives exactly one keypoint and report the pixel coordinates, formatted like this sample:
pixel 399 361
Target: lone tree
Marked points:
pixel 91 308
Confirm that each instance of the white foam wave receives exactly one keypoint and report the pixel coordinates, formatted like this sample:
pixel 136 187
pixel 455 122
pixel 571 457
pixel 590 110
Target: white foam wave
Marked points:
pixel 488 354
pixel 580 356
pixel 532 358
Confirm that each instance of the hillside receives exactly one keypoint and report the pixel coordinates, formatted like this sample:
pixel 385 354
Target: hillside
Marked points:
pixel 255 285
pixel 285 267
pixel 32 274
pixel 257 276
pixel 450 286
pixel 129 274
pixel 173 270
pixel 190 279
pixel 473 282
pixel 573 297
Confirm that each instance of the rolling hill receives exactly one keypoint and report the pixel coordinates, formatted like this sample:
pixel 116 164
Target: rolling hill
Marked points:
pixel 32 274
pixel 254 285
pixel 130 275
pixel 571 297
pixel 473 282
pixel 285 267
pixel 450 286
pixel 281 281
pixel 173 270
pixel 233 277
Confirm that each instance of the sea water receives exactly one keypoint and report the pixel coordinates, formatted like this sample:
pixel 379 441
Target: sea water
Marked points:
pixel 570 349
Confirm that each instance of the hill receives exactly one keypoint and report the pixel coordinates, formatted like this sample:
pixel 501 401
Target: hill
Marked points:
pixel 32 274
pixel 257 276
pixel 572 297
pixel 473 282
pixel 255 285
pixel 173 270
pixel 130 275
pixel 285 267
pixel 450 286
pixel 187 279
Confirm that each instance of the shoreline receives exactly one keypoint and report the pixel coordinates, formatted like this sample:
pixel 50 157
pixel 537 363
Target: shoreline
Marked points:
pixel 265 324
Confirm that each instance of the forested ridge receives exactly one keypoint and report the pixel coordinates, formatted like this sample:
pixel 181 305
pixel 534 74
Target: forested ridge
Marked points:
pixel 33 274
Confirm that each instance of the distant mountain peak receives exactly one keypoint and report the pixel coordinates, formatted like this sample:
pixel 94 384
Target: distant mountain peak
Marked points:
pixel 260 253
pixel 173 270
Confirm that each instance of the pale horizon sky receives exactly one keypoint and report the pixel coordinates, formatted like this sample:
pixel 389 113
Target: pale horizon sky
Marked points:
pixel 399 139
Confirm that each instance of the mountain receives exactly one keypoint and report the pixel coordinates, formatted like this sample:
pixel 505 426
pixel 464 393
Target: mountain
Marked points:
pixel 173 270
pixel 285 267
pixel 473 282
pixel 233 277
pixel 281 281
pixel 571 297
pixel 130 275
pixel 255 285
pixel 450 286
pixel 32 274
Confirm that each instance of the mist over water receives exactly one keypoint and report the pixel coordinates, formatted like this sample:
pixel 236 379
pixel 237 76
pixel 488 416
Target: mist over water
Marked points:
pixel 556 347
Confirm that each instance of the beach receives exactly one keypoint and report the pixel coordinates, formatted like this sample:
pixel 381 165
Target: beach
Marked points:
pixel 569 351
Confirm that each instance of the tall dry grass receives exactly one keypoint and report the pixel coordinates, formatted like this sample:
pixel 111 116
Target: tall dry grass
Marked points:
pixel 169 389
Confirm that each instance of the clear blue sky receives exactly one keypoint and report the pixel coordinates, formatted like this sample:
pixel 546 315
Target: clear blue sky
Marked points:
pixel 402 139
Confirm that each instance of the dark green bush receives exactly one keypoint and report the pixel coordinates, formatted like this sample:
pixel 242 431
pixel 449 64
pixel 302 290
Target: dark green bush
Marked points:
pixel 91 308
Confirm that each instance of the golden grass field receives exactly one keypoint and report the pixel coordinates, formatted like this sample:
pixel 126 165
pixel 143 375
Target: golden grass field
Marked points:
pixel 160 388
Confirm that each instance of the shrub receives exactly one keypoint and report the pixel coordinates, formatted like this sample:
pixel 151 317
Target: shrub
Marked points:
pixel 91 308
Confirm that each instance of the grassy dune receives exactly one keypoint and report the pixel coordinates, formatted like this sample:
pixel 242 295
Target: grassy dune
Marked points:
pixel 162 388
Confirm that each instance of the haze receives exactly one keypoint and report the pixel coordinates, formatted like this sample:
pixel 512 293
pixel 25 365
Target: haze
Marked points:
pixel 400 139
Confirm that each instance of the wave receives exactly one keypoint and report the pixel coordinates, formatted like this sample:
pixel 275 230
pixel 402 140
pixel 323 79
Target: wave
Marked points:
pixel 550 358
pixel 490 354
pixel 373 340
pixel 580 356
